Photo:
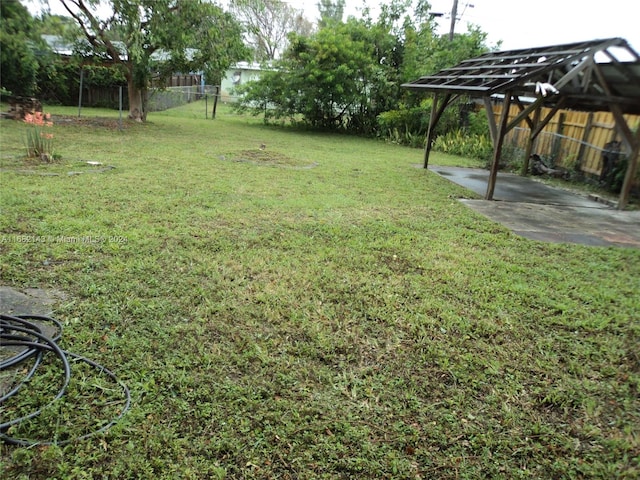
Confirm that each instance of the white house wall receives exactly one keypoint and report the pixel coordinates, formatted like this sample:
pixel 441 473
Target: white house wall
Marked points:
pixel 241 74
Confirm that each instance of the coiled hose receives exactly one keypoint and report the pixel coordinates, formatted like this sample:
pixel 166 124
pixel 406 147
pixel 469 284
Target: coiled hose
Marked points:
pixel 29 342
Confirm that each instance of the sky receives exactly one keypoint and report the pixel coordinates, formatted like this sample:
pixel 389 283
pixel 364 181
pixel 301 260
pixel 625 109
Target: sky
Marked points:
pixel 517 23
pixel 529 23
pixel 523 24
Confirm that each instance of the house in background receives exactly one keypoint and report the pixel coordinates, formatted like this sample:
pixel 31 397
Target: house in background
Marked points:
pixel 236 75
pixel 191 83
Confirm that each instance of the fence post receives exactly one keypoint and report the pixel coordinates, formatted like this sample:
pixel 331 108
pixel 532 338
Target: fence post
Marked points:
pixel 120 107
pixel 585 139
pixel 80 92
pixel 215 103
pixel 555 149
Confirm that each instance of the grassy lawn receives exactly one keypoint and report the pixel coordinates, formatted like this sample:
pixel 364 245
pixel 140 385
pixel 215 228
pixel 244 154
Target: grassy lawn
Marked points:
pixel 317 308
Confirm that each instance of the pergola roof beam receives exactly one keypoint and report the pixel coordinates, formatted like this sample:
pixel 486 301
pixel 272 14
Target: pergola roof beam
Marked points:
pixel 574 72
pixel 509 66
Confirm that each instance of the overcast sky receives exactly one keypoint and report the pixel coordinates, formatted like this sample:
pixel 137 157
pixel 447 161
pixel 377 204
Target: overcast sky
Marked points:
pixel 522 24
pixel 531 23
pixel 518 23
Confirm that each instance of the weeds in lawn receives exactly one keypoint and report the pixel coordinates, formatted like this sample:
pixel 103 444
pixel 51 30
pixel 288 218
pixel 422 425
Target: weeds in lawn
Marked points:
pixel 351 320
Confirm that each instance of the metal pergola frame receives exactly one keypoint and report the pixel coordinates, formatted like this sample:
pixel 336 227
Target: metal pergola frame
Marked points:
pixel 588 76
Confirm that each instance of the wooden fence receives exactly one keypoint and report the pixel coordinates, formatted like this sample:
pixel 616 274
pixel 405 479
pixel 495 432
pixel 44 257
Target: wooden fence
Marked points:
pixel 570 137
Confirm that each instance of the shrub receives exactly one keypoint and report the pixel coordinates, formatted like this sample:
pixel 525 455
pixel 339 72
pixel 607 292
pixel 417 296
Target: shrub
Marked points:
pixel 461 143
pixel 59 82
pixel 398 125
pixel 408 125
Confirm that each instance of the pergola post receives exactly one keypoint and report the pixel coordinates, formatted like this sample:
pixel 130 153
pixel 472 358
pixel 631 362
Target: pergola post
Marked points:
pixel 493 129
pixel 430 130
pixel 497 149
pixel 631 172
pixel 436 113
pixel 532 140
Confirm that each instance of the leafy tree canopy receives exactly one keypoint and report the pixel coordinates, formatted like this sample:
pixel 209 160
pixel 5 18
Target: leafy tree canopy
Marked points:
pixel 346 74
pixel 50 24
pixel 18 41
pixel 331 11
pixel 330 78
pixel 149 37
pixel 268 23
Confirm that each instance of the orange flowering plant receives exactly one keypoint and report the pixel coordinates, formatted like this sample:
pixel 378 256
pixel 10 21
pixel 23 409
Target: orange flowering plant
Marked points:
pixel 39 143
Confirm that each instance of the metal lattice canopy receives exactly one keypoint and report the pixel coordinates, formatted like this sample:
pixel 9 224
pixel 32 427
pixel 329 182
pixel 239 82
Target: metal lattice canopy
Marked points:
pixel 596 75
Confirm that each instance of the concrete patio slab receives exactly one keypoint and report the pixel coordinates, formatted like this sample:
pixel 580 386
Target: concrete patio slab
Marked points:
pixel 537 211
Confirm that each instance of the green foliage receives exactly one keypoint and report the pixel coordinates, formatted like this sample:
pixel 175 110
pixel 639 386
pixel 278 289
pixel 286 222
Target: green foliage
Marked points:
pixel 618 174
pixel 331 12
pixel 408 125
pixel 103 76
pixel 59 80
pixel 184 35
pixel 59 25
pixel 426 53
pixel 464 46
pixel 405 126
pixel 329 79
pixel 478 123
pixel 465 144
pixel 18 40
pixel 347 77
pixel 39 142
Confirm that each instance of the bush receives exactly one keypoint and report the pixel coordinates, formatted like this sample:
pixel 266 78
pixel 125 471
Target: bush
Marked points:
pixel 478 123
pixel 465 144
pixel 59 83
pixel 408 125
pixel 18 62
pixel 401 126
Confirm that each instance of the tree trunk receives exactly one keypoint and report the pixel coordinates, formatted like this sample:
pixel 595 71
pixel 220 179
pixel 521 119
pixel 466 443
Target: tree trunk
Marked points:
pixel 136 111
pixel 136 106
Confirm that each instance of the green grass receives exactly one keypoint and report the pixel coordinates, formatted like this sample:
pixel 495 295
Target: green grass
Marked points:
pixel 320 308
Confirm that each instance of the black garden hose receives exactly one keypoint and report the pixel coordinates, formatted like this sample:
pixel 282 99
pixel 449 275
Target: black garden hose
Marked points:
pixel 30 344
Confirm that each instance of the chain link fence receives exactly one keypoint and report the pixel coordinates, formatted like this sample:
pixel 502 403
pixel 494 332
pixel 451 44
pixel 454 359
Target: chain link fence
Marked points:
pixel 561 150
pixel 600 166
pixel 161 99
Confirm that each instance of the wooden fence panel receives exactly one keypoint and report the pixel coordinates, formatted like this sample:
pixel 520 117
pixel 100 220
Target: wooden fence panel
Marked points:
pixel 570 137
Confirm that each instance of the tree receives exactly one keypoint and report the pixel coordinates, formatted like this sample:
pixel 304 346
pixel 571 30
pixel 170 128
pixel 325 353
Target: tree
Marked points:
pixel 268 22
pixel 18 62
pixel 147 36
pixel 428 53
pixel 336 79
pixel 346 75
pixel 331 11
pixel 59 25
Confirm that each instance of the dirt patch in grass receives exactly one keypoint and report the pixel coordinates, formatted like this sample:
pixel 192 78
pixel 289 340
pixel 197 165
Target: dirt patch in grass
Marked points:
pixel 262 156
pixel 94 122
